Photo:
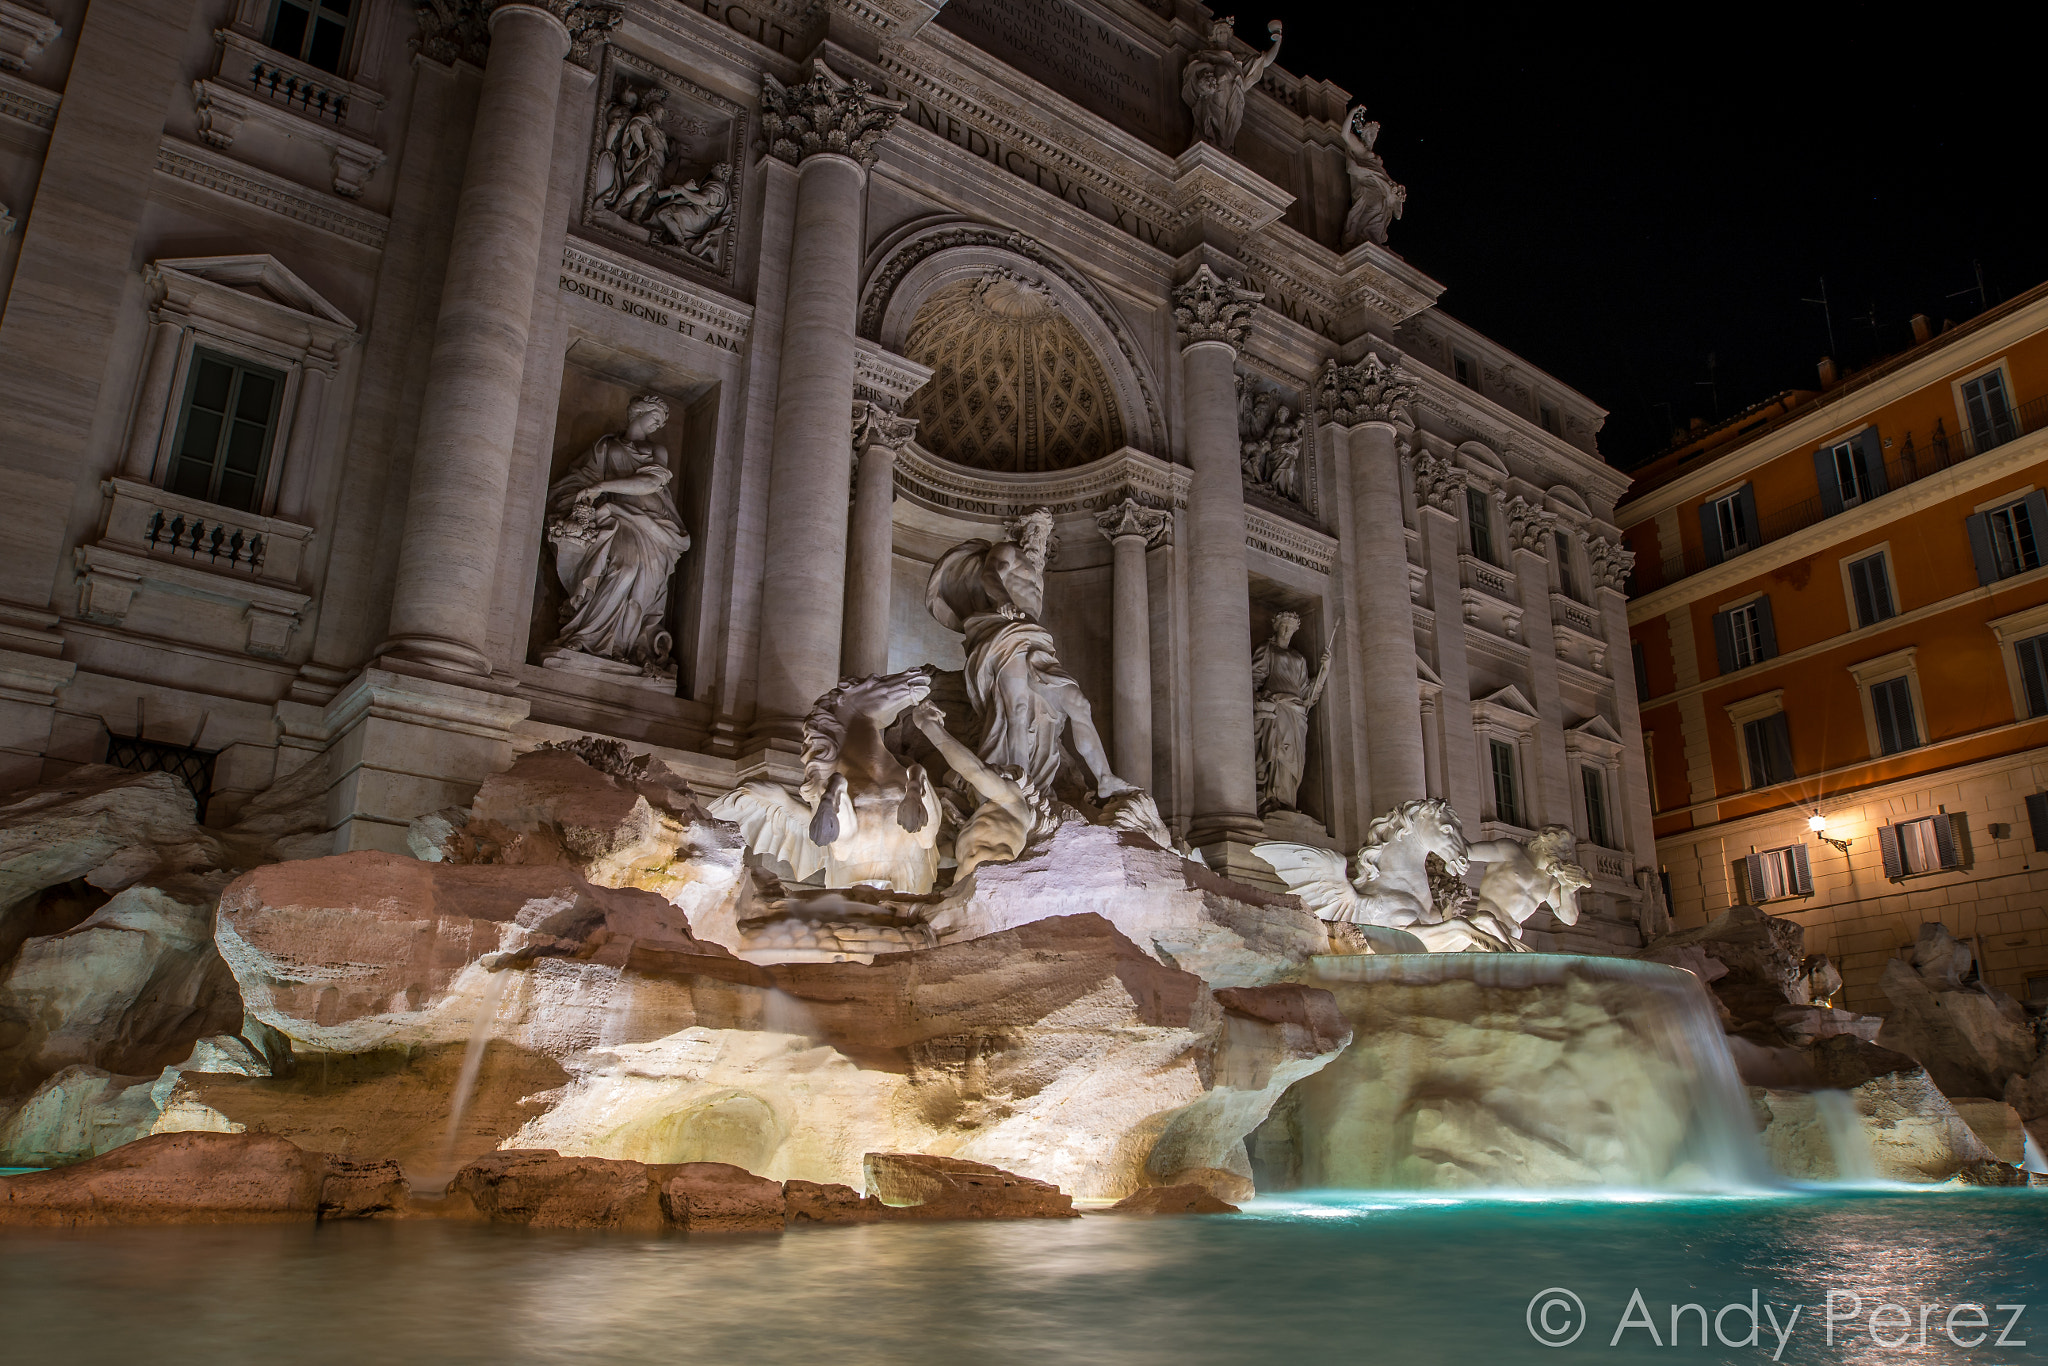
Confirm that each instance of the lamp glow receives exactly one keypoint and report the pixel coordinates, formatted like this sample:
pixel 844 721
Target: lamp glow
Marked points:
pixel 1816 823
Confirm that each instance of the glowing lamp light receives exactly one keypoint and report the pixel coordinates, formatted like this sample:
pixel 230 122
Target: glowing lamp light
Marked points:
pixel 1816 822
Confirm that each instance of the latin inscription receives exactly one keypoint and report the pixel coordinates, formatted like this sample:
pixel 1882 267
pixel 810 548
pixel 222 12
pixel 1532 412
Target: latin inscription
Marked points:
pixel 633 308
pixel 759 27
pixel 1075 53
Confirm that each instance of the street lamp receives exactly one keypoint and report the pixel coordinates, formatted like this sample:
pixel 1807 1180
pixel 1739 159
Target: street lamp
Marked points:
pixel 1818 824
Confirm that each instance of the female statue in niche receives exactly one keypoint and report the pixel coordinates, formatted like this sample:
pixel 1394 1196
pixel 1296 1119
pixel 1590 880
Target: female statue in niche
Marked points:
pixel 1285 695
pixel 617 537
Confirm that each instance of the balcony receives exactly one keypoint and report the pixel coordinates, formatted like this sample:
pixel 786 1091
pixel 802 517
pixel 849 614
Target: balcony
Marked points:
pixel 299 101
pixel 1915 456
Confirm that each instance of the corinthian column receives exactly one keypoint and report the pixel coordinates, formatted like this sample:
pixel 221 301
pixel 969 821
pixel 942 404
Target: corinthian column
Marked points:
pixel 827 128
pixel 470 410
pixel 1132 529
pixel 878 435
pixel 1213 315
pixel 1366 400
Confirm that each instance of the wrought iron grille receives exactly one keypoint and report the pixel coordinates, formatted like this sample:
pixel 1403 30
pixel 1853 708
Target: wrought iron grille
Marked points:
pixel 193 767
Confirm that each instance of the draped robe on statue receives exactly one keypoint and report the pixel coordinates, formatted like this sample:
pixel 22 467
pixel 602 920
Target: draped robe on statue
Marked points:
pixel 615 556
pixel 1020 725
pixel 1280 723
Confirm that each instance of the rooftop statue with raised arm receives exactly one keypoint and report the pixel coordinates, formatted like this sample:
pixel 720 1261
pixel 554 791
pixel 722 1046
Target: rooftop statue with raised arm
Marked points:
pixel 993 593
pixel 1214 83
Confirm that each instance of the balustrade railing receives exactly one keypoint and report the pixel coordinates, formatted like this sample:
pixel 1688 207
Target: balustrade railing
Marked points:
pixel 221 544
pixel 282 85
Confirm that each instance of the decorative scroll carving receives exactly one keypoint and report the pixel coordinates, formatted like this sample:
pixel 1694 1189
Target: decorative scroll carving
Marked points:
pixel 1438 482
pixel 824 114
pixel 1528 524
pixel 875 425
pixel 1370 391
pixel 1211 308
pixel 1376 200
pixel 1133 518
pixel 1610 561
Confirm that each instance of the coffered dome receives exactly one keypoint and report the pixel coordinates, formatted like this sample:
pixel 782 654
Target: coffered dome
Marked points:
pixel 1014 388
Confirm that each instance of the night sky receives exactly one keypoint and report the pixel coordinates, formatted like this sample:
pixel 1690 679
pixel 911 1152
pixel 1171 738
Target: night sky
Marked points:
pixel 1617 204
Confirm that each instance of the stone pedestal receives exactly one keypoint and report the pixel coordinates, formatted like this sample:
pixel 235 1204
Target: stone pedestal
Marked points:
pixel 394 747
pixel 455 514
pixel 1132 529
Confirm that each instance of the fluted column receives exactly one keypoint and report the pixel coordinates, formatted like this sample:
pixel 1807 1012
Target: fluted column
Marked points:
pixel 1213 315
pixel 1132 529
pixel 878 435
pixel 1367 399
pixel 440 604
pixel 827 128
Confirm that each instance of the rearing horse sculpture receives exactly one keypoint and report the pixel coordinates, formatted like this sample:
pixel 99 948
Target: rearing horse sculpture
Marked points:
pixel 863 815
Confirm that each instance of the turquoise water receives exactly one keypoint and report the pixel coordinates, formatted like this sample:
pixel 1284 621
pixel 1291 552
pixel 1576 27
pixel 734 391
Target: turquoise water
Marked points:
pixel 1340 1278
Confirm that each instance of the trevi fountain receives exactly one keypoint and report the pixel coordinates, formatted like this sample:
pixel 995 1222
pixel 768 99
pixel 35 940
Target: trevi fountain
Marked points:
pixel 751 684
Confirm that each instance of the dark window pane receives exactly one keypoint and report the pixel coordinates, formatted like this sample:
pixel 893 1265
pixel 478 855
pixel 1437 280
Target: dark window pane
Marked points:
pixel 245 448
pixel 325 51
pixel 2034 674
pixel 211 381
pixel 202 438
pixel 191 477
pixel 288 29
pixel 237 491
pixel 253 404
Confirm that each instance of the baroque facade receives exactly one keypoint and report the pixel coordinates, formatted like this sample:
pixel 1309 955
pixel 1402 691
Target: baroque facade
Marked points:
pixel 390 389
pixel 1841 623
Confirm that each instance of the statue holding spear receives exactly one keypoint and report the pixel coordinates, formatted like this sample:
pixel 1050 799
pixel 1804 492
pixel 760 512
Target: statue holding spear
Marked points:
pixel 1285 694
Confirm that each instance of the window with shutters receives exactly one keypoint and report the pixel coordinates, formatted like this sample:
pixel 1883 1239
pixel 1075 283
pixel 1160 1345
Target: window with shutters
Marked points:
pixel 1593 783
pixel 2014 549
pixel 314 31
pixel 1480 520
pixel 1507 801
pixel 2032 655
pixel 1852 474
pixel 1746 635
pixel 1767 748
pixel 1988 409
pixel 1870 589
pixel 1732 523
pixel 1774 874
pixel 226 427
pixel 1926 845
pixel 1892 702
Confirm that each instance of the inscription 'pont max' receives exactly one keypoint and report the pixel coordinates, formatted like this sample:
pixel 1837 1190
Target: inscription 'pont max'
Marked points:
pixel 1078 55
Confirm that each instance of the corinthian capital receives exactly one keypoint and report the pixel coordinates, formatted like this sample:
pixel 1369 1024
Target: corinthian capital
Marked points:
pixel 1610 562
pixel 824 114
pixel 1211 308
pixel 1370 391
pixel 1133 518
pixel 1438 482
pixel 874 425
pixel 1528 524
pixel 460 30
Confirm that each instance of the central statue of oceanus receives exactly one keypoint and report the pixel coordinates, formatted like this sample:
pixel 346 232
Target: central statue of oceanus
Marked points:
pixel 992 593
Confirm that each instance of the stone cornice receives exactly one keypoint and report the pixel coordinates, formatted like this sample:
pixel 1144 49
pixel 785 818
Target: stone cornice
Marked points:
pixel 329 213
pixel 722 321
pixel 885 378
pixel 26 102
pixel 945 487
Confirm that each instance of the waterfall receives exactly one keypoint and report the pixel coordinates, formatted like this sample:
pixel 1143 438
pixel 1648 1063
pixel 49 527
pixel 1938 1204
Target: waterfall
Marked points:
pixel 1843 1124
pixel 1526 1071
pixel 472 1063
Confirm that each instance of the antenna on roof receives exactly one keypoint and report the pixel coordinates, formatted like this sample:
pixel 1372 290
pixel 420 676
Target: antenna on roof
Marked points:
pixel 1983 299
pixel 1827 311
pixel 1869 318
pixel 1712 382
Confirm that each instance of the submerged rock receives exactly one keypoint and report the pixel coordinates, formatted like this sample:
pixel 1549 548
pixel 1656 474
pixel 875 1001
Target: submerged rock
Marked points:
pixel 543 1189
pixel 1172 1200
pixel 921 1186
pixel 717 1197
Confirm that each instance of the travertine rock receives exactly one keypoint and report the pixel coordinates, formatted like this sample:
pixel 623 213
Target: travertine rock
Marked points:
pixel 717 1197
pixel 80 1112
pixel 1172 1200
pixel 1997 1126
pixel 812 1202
pixel 1764 958
pixel 363 1190
pixel 921 1186
pixel 1174 909
pixel 1904 1129
pixel 1972 1039
pixel 106 826
pixel 543 1189
pixel 129 990
pixel 198 1179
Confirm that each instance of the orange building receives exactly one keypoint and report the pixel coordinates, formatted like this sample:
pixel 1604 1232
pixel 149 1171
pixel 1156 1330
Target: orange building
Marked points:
pixel 1840 626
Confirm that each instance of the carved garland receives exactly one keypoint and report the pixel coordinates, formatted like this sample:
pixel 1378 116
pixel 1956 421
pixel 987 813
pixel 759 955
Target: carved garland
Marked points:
pixel 883 283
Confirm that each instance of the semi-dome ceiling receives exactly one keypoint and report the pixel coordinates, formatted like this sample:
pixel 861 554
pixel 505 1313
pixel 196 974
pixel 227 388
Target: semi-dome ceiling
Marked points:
pixel 1014 388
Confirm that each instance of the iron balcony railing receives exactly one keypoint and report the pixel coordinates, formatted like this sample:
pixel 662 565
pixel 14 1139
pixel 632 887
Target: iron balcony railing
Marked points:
pixel 1915 457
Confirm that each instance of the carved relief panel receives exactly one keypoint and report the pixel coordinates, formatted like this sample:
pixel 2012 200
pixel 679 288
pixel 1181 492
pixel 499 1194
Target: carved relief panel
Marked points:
pixel 1276 444
pixel 666 161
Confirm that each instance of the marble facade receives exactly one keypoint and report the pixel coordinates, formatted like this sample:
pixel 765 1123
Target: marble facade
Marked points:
pixel 901 273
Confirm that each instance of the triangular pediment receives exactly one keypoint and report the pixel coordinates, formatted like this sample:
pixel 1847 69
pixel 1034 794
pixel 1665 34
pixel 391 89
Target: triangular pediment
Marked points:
pixel 1427 674
pixel 1596 728
pixel 260 276
pixel 1511 698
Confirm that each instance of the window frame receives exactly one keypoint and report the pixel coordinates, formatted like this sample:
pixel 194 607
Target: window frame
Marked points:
pixel 1509 812
pixel 182 418
pixel 1763 644
pixel 1963 424
pixel 1797 865
pixel 1890 581
pixel 344 61
pixel 1892 846
pixel 1568 579
pixel 1887 668
pixel 1478 523
pixel 1549 417
pixel 1465 369
pixel 1741 715
pixel 1596 806
pixel 2010 630
pixel 1852 447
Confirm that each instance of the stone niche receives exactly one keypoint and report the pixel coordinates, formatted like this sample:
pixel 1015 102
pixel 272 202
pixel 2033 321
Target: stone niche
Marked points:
pixel 598 384
pixel 1312 804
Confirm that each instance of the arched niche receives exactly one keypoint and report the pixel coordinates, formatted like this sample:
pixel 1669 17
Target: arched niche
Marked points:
pixel 932 259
